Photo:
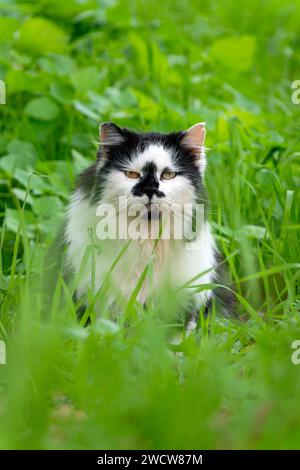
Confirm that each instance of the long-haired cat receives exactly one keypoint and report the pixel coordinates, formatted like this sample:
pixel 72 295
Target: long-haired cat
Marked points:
pixel 156 170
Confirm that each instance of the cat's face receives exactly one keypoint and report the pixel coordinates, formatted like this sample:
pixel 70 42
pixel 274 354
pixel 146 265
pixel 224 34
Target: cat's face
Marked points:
pixel 151 168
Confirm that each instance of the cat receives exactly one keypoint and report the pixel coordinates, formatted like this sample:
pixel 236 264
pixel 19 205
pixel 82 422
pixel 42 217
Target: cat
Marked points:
pixel 162 172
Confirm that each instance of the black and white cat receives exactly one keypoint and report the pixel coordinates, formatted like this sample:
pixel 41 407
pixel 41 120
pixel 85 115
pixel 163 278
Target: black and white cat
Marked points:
pixel 154 169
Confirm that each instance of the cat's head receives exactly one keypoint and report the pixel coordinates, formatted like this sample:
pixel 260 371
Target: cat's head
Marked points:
pixel 151 167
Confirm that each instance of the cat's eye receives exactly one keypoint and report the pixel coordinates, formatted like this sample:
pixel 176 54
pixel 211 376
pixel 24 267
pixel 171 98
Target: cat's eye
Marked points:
pixel 168 175
pixel 134 175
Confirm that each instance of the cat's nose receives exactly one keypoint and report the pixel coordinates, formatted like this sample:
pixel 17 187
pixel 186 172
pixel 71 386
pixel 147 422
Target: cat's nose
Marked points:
pixel 149 188
pixel 150 191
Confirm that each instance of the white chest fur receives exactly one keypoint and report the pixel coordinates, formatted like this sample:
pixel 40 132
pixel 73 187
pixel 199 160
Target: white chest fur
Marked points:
pixel 172 260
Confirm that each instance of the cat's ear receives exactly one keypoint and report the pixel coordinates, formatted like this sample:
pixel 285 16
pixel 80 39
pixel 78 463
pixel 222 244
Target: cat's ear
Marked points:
pixel 110 134
pixel 193 139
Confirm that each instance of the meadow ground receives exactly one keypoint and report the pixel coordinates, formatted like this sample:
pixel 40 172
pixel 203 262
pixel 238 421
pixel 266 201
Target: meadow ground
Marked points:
pixel 167 65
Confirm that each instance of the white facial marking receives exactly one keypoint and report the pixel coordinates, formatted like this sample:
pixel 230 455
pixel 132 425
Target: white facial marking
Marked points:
pixel 157 154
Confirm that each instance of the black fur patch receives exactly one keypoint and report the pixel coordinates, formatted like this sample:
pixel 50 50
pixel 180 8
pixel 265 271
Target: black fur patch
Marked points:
pixel 148 183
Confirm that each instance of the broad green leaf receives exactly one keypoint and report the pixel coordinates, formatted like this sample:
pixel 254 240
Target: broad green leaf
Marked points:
pixel 12 162
pixel 8 26
pixel 21 156
pixel 86 79
pixel 25 149
pixel 58 64
pixel 21 80
pixel 148 107
pixel 12 221
pixel 236 53
pixel 37 183
pixel 80 162
pixel 22 195
pixel 39 36
pixel 43 109
pixel 47 207
pixel 119 97
pixel 85 110
pixel 62 92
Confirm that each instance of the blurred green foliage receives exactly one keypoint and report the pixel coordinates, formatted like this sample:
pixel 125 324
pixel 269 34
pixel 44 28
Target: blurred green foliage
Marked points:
pixel 68 66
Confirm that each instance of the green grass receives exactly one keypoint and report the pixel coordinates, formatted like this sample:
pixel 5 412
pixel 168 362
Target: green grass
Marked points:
pixel 151 65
